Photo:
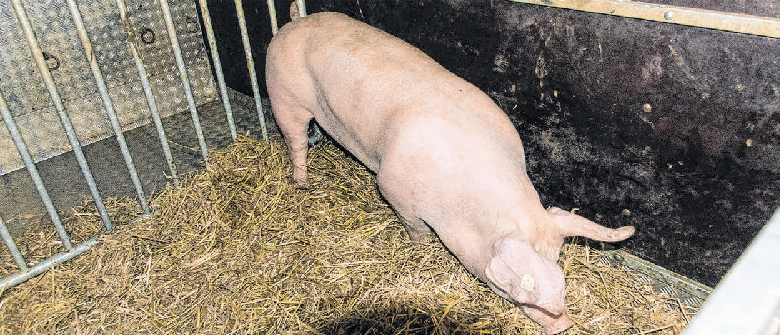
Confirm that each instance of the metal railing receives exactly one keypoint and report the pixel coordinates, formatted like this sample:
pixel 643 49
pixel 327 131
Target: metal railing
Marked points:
pixel 29 271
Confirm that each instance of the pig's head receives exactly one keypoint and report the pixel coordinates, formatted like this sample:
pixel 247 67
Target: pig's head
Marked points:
pixel 520 274
pixel 524 269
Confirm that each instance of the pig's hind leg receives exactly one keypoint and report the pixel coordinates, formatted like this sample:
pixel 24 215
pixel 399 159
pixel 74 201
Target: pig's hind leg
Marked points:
pixel 294 121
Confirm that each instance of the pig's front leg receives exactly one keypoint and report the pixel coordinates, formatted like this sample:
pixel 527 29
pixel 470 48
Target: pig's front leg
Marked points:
pixel 294 121
pixel 417 229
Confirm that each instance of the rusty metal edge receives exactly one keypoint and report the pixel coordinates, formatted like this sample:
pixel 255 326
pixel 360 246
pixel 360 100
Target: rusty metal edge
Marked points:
pixel 660 274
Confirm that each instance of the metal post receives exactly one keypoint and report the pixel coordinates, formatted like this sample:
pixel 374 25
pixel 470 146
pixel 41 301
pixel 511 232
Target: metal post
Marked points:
pixel 272 15
pixel 218 66
pixel 108 104
pixel 184 78
pixel 9 242
pixel 24 21
pixel 139 65
pixel 301 8
pixel 250 64
pixel 10 123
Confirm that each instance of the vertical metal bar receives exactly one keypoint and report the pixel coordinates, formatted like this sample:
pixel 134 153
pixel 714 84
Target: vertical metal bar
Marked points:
pixel 108 104
pixel 272 15
pixel 24 21
pixel 9 242
pixel 10 123
pixel 218 66
pixel 139 65
pixel 185 81
pixel 301 7
pixel 250 64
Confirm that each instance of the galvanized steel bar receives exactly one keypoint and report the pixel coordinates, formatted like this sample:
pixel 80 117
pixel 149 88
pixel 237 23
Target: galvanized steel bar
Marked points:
pixel 250 64
pixel 44 265
pixel 185 80
pixel 301 8
pixel 272 15
pixel 9 242
pixel 107 103
pixel 29 34
pixel 204 9
pixel 738 23
pixel 10 123
pixel 139 65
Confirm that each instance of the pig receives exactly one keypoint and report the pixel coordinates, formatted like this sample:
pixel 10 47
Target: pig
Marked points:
pixel 446 157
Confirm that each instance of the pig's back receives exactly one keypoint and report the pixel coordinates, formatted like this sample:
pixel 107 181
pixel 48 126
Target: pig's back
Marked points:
pixel 377 94
pixel 363 79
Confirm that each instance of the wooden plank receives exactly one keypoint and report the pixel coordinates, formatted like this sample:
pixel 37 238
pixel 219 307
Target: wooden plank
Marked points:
pixel 733 22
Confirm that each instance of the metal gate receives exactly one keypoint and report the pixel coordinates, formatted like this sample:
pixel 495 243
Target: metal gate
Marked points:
pixel 73 73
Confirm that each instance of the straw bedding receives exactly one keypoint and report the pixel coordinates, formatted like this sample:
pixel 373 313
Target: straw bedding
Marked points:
pixel 237 249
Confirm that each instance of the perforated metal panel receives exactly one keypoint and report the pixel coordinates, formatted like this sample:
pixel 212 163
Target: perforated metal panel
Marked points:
pixel 30 103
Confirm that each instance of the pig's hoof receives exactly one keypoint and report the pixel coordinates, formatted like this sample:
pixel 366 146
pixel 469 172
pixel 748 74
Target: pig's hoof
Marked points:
pixel 418 238
pixel 300 183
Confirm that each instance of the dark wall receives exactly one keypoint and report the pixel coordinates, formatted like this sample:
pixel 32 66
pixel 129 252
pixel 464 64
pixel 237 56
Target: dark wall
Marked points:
pixel 228 36
pixel 673 129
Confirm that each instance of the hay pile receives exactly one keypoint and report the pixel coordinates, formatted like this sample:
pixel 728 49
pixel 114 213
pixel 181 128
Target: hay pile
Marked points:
pixel 238 250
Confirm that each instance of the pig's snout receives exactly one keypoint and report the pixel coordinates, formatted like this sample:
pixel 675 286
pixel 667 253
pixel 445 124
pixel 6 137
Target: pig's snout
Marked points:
pixel 551 323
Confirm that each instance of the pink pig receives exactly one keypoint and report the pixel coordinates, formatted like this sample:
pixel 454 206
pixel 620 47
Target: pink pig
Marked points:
pixel 445 156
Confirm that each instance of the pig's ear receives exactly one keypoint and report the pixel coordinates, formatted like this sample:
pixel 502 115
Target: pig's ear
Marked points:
pixel 509 279
pixel 518 270
pixel 571 224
